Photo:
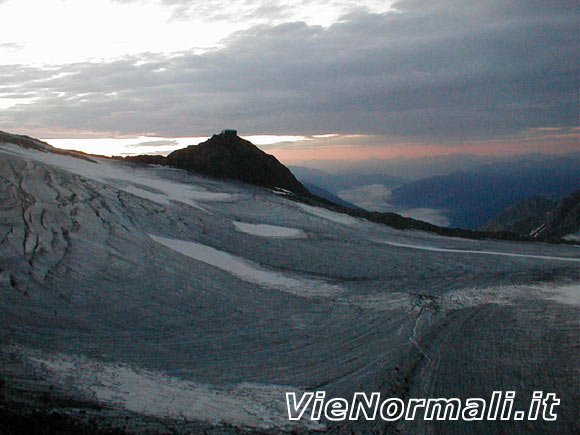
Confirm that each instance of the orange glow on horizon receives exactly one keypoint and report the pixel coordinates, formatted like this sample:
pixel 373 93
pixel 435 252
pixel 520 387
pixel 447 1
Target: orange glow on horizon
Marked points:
pixel 491 147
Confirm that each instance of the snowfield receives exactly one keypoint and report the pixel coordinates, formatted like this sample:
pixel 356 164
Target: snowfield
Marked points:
pixel 137 182
pixel 247 271
pixel 575 237
pixel 466 251
pixel 264 230
pixel 332 216
pixel 152 393
pixel 170 302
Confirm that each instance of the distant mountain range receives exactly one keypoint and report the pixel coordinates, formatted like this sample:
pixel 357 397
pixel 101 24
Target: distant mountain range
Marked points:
pixel 329 196
pixel 470 199
pixel 336 182
pixel 465 198
pixel 226 155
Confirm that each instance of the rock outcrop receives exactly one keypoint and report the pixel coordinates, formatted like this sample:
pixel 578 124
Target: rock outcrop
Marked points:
pixel 226 155
pixel 522 217
pixel 540 218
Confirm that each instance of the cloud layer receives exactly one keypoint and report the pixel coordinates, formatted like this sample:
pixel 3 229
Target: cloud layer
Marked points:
pixel 443 70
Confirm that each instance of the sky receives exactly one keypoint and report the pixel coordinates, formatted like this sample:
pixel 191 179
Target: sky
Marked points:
pixel 304 80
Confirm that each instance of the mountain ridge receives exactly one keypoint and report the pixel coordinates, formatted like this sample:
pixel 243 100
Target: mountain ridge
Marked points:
pixel 473 198
pixel 226 155
pixel 300 195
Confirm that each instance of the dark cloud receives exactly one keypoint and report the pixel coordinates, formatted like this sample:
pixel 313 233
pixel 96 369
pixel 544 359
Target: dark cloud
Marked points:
pixel 439 69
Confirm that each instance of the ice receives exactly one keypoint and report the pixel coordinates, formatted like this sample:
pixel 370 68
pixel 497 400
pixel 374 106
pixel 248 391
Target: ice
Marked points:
pixel 212 318
pixel 264 230
pixel 248 271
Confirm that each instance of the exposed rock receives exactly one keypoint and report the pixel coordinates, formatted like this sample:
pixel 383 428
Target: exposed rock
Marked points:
pixel 226 155
pixel 24 141
pixel 564 219
pixel 522 217
pixel 28 142
pixel 540 218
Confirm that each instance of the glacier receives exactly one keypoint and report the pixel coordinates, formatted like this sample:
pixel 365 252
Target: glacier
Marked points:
pixel 184 303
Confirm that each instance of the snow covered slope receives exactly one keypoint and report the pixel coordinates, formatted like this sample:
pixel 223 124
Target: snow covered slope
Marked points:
pixel 178 302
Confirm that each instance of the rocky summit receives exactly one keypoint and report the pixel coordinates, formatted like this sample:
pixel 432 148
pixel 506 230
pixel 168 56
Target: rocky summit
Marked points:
pixel 226 155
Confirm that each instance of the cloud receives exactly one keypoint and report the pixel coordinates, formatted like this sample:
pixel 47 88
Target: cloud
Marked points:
pixel 11 46
pixel 266 11
pixel 375 197
pixel 444 70
pixel 153 143
pixel 236 10
pixel 432 215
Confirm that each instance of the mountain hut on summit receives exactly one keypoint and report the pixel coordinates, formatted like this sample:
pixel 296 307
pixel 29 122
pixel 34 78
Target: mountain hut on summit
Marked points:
pixel 229 132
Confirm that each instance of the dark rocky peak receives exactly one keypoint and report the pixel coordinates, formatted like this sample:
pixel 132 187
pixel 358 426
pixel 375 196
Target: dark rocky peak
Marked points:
pixel 226 155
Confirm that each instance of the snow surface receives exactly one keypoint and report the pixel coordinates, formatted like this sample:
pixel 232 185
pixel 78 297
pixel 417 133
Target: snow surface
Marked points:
pixel 466 251
pixel 156 394
pixel 137 181
pixel 536 231
pixel 280 191
pixel 323 213
pixel 573 237
pixel 247 271
pixel 265 230
pixel 566 294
